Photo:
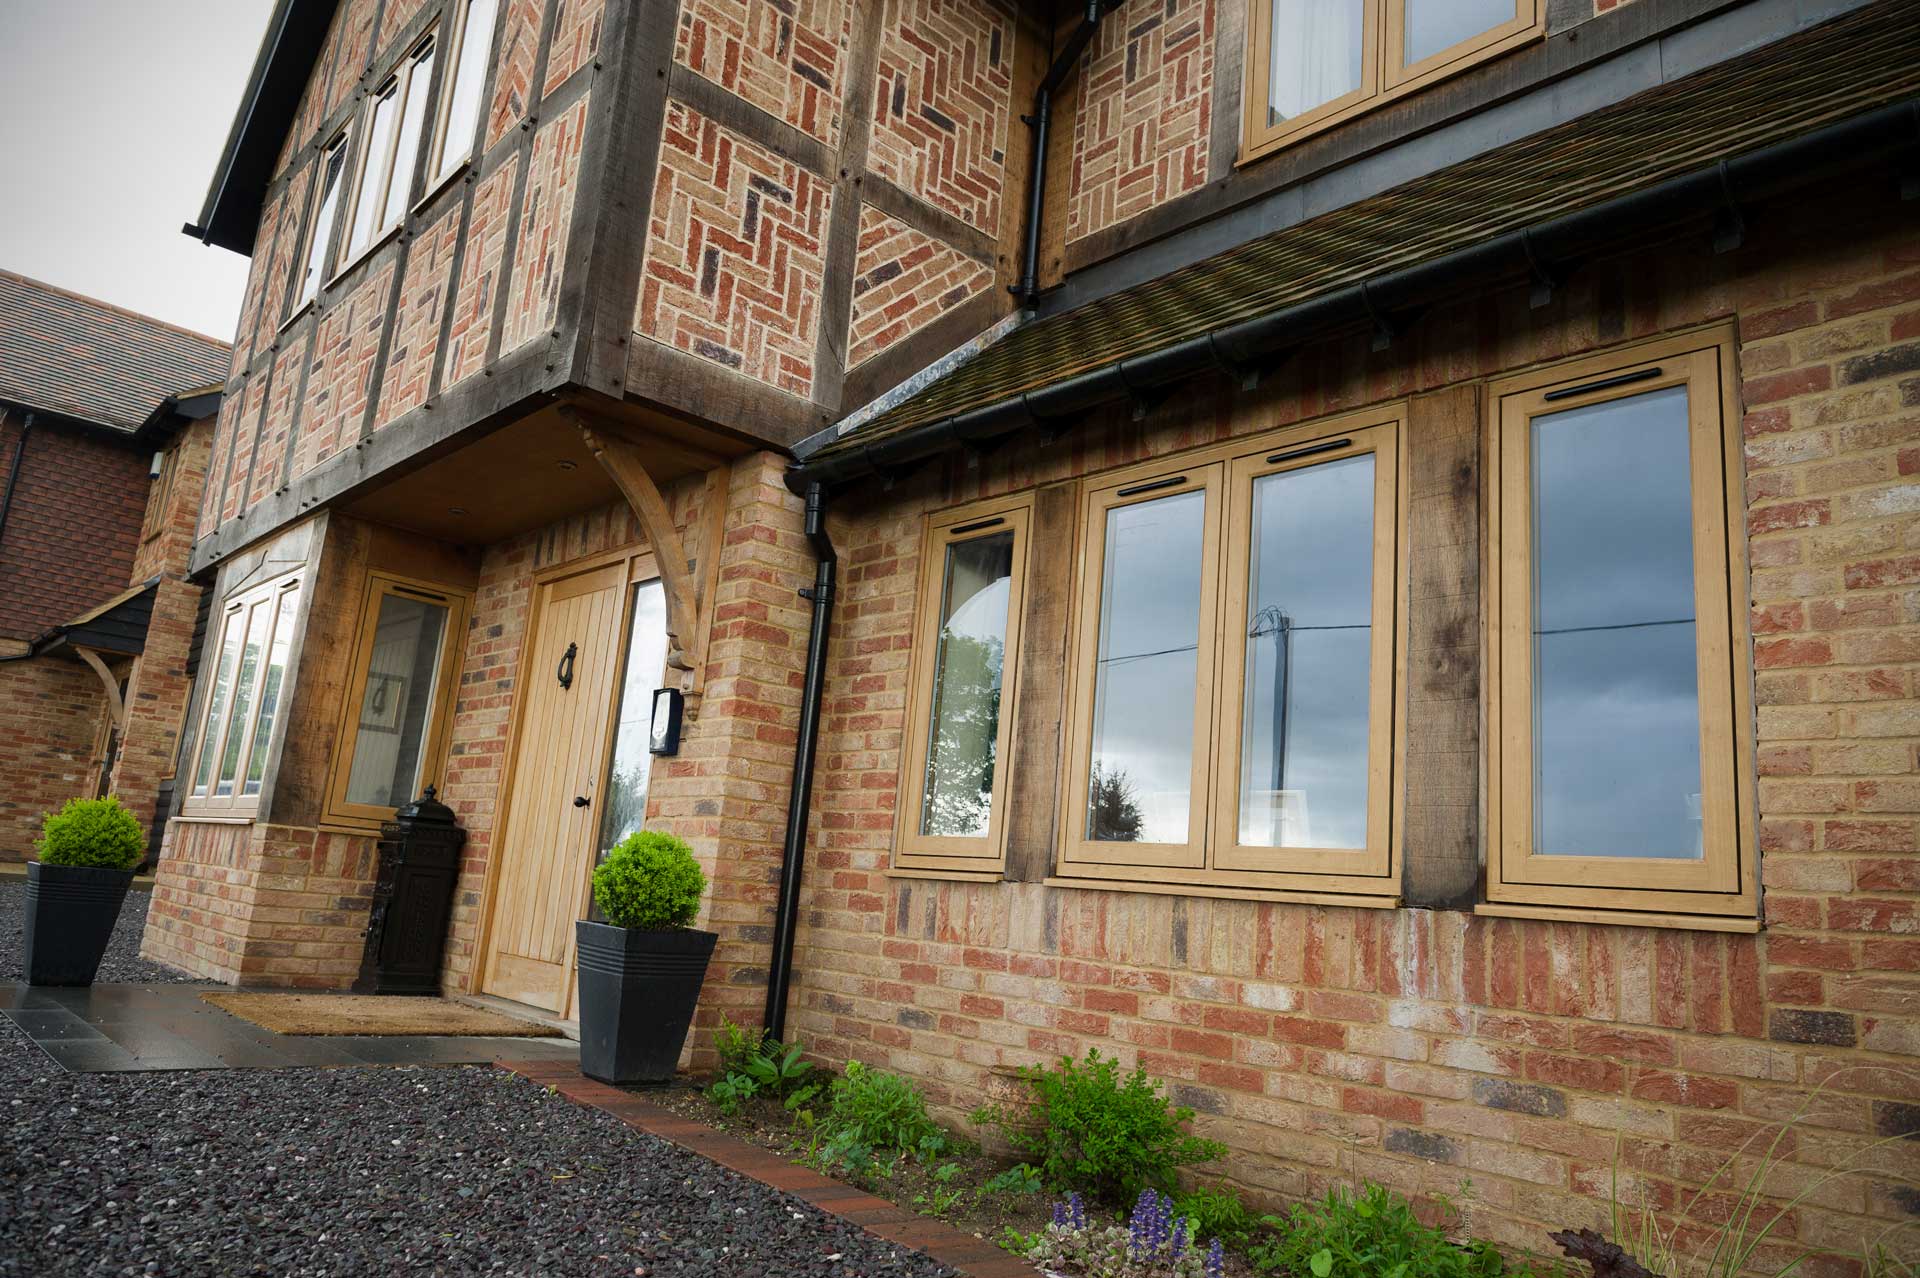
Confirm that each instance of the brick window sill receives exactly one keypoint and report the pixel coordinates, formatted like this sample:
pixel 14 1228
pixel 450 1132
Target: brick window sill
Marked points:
pixel 1619 918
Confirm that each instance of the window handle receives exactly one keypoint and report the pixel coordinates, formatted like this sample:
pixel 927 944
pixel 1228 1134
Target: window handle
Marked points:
pixel 1326 447
pixel 1605 383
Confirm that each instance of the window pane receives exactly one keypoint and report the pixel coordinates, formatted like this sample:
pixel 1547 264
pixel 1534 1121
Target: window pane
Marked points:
pixel 270 689
pixel 322 223
pixel 371 196
pixel 1433 25
pixel 625 807
pixel 965 717
pixel 1303 758
pixel 407 152
pixel 1144 686
pixel 259 617
pixel 469 78
pixel 397 703
pixel 1314 54
pixel 217 707
pixel 1616 734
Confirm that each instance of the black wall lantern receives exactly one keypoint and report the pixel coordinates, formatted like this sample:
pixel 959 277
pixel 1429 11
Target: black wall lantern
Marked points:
pixel 665 735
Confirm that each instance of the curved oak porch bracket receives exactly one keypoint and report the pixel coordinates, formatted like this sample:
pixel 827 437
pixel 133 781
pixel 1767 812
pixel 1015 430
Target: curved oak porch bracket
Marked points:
pixel 116 708
pixel 686 630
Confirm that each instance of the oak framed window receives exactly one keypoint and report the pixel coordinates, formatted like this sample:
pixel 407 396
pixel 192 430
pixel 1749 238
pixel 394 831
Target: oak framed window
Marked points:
pixel 166 476
pixel 395 123
pixel 1235 667
pixel 399 697
pixel 1313 63
pixel 959 748
pixel 1620 742
pixel 244 699
pixel 312 258
pixel 471 49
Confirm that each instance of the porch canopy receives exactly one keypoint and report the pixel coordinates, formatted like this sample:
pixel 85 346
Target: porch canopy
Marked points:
pixel 112 632
pixel 1805 108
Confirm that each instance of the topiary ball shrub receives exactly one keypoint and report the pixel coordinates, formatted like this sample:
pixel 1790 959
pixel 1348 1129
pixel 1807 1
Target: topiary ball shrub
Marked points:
pixel 649 881
pixel 95 833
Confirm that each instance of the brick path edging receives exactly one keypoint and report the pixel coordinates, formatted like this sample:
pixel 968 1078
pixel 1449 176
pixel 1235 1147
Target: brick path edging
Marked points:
pixel 974 1257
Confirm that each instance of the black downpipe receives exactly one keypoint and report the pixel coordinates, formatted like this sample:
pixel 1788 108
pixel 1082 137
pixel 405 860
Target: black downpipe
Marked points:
pixel 13 473
pixel 1028 289
pixel 793 857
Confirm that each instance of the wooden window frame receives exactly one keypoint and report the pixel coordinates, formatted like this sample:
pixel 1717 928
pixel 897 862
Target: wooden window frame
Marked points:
pixel 237 610
pixel 985 855
pixel 442 160
pixel 299 298
pixel 160 494
pixel 1382 79
pixel 439 722
pixel 376 174
pixel 1724 881
pixel 1212 860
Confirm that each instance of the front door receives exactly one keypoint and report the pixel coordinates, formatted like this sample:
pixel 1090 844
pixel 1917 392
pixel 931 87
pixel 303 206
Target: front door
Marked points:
pixel 547 844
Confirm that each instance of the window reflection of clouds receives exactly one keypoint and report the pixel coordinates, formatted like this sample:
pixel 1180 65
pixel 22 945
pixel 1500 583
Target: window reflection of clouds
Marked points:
pixel 1616 702
pixel 625 807
pixel 1148 664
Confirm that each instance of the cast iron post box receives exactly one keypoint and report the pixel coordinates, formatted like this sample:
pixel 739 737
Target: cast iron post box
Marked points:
pixel 412 900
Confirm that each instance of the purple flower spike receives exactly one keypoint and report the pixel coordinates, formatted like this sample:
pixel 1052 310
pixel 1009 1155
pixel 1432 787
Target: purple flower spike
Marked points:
pixel 1216 1260
pixel 1179 1242
pixel 1076 1211
pixel 1060 1214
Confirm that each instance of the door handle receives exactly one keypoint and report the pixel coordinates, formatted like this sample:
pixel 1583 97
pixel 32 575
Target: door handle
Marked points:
pixel 581 800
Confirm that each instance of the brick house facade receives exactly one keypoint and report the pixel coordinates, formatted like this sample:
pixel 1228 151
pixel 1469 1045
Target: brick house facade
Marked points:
pixel 577 396
pixel 88 405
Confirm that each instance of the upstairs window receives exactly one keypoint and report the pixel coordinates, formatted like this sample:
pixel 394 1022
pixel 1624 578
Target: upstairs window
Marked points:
pixel 393 147
pixel 326 198
pixel 1315 62
pixel 460 115
pixel 958 752
pixel 1621 760
pixel 244 698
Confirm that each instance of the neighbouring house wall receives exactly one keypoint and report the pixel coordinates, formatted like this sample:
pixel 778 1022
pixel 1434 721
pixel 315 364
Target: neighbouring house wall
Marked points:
pixel 70 536
pixel 1422 1048
pixel 52 711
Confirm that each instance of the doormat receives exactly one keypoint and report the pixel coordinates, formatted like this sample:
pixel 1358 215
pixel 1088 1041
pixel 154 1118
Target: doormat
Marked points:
pixel 371 1014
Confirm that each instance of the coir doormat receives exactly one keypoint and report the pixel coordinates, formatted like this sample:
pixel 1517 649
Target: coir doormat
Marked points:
pixel 371 1014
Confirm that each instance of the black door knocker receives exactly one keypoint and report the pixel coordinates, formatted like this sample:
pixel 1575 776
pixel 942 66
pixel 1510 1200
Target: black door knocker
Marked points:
pixel 565 672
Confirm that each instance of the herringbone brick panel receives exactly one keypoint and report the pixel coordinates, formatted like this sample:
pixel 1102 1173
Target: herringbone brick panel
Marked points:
pixel 416 331
pixel 480 273
pixel 546 217
pixel 904 279
pixel 942 99
pixel 787 57
pixel 735 254
pixel 1146 108
pixel 348 342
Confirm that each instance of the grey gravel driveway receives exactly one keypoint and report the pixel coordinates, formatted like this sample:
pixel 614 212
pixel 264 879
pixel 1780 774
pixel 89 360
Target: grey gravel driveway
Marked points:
pixel 368 1171
pixel 122 964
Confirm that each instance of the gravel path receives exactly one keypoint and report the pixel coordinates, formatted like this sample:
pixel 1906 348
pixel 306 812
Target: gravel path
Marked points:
pixel 122 964
pixel 354 1172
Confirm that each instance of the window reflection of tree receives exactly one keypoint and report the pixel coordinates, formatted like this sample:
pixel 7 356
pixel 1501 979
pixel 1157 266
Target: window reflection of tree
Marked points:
pixel 960 765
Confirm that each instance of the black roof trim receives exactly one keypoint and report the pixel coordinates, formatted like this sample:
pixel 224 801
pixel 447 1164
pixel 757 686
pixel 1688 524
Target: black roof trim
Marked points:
pixel 118 626
pixel 295 33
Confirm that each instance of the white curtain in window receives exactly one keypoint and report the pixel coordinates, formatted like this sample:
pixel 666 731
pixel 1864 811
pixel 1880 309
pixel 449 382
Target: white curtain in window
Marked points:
pixel 1315 54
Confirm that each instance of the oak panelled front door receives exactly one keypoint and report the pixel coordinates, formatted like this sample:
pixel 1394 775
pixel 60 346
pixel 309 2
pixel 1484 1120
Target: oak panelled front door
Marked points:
pixel 568 679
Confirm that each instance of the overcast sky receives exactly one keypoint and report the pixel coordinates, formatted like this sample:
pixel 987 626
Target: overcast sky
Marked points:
pixel 112 115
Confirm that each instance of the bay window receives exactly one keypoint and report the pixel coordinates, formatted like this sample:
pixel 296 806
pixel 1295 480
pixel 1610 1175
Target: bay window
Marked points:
pixel 249 674
pixel 1621 761
pixel 1312 63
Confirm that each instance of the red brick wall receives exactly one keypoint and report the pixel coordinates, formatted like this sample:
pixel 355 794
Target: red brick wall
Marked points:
pixel 480 273
pixel 903 280
pixel 70 536
pixel 1421 1048
pixel 791 63
pixel 341 378
pixel 416 333
pixel 51 711
pixel 546 218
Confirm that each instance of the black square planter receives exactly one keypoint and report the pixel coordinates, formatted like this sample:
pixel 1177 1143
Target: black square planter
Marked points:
pixel 71 910
pixel 637 995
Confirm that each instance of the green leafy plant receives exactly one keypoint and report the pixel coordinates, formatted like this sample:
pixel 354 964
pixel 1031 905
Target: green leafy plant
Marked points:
pixel 1371 1234
pixel 1215 1213
pixel 1020 1180
pixel 883 1112
pixel 96 833
pixel 942 1196
pixel 777 1069
pixel 736 1045
pixel 731 1091
pixel 649 881
pixel 1093 1130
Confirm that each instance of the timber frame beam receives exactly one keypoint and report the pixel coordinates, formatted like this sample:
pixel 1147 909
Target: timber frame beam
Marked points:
pixel 687 606
pixel 116 708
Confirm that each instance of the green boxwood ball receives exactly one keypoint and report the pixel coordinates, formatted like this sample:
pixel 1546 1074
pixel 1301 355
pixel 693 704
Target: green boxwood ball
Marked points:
pixel 98 833
pixel 649 881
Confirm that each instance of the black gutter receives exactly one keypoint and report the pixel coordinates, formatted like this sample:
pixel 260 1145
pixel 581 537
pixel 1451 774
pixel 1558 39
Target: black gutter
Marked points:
pixel 800 800
pixel 13 473
pixel 1243 345
pixel 1028 287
